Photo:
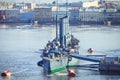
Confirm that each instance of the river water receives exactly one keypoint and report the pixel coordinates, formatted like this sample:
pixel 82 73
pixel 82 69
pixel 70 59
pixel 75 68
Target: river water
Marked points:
pixel 20 44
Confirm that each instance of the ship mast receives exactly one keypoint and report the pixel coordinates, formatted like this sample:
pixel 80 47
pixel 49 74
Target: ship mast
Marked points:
pixel 66 7
pixel 64 34
pixel 57 19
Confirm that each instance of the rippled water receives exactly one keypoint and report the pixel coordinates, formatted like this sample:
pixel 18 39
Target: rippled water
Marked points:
pixel 19 44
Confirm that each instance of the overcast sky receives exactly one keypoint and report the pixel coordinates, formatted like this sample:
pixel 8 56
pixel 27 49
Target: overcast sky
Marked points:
pixel 49 1
pixel 40 1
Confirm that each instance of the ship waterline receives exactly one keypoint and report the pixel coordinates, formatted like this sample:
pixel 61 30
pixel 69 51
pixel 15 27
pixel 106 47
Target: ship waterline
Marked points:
pixel 61 64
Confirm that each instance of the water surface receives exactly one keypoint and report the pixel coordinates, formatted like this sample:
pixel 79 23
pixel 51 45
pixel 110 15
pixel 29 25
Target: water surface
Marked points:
pixel 19 44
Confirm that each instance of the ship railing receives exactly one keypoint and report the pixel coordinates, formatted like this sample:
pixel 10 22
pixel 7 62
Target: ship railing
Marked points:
pixel 55 58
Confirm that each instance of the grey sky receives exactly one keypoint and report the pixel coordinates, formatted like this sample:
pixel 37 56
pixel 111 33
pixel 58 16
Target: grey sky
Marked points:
pixel 49 1
pixel 38 1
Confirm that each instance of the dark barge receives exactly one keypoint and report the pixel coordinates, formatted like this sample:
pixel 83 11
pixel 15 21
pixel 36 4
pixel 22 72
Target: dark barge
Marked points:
pixel 110 65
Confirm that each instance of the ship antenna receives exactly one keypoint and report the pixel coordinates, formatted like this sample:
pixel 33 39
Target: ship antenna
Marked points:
pixel 57 19
pixel 66 7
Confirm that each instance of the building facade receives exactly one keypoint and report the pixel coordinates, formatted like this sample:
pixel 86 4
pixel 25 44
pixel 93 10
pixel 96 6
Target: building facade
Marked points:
pixel 30 6
pixel 43 15
pixel 113 16
pixel 2 15
pixel 27 17
pixel 9 15
pixel 90 17
pixel 74 16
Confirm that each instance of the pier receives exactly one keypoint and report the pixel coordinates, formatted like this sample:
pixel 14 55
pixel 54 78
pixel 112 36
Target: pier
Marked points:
pixel 86 58
pixel 105 64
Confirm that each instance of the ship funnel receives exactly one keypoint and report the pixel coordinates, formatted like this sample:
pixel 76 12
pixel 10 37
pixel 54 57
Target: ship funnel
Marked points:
pixel 64 34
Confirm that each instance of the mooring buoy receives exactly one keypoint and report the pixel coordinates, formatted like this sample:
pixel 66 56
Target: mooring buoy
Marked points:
pixel 90 50
pixel 71 73
pixel 6 73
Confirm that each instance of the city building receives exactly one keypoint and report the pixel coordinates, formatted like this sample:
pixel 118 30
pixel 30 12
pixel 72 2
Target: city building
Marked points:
pixel 74 16
pixel 88 12
pixel 27 17
pixel 43 15
pixel 112 16
pixel 30 6
pixel 60 12
pixel 9 15
pixel 91 4
pixel 91 17
pixel 2 15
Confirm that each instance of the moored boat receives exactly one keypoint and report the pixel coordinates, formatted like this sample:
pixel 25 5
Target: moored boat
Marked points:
pixel 56 55
pixel 110 65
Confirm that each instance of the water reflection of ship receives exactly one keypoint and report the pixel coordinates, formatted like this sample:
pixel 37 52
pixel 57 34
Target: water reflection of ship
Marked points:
pixel 3 26
pixel 25 27
pixel 108 22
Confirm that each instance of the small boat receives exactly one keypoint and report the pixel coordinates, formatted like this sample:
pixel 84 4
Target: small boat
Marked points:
pixel 56 55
